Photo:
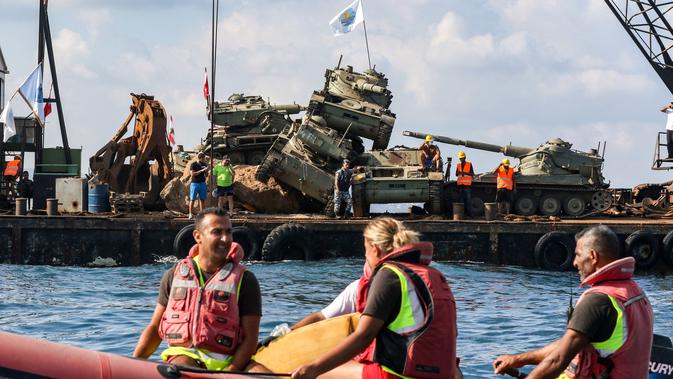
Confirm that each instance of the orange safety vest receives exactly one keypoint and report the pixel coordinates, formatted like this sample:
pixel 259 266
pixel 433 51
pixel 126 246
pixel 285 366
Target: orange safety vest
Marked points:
pixel 464 180
pixel 505 178
pixel 12 168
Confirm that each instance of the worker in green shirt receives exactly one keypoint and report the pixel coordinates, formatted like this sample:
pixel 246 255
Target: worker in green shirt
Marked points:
pixel 224 175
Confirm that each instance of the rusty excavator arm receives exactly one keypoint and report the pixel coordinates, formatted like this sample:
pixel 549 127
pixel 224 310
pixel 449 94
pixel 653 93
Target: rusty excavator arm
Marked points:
pixel 141 162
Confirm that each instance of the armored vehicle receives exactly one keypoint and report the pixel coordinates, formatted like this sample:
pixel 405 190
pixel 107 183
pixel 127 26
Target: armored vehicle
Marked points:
pixel 396 176
pixel 306 156
pixel 356 104
pixel 549 179
pixel 247 126
pixel 350 107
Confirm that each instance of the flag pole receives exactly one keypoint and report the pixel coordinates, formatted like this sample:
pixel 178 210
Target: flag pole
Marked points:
pixel 213 65
pixel 364 26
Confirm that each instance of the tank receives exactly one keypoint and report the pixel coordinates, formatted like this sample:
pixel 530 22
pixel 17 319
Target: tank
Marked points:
pixel 306 156
pixel 550 179
pixel 351 107
pixel 246 126
pixel 356 104
pixel 396 176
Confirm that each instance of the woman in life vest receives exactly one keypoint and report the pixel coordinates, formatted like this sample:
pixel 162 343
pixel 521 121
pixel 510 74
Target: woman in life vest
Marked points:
pixel 408 322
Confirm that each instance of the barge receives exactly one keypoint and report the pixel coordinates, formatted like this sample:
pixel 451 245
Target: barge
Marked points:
pixel 148 238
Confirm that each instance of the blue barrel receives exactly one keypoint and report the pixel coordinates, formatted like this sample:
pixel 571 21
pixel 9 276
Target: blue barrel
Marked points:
pixel 99 198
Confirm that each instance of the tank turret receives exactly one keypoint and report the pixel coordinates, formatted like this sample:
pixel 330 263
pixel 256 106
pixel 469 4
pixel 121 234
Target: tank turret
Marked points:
pixel 356 104
pixel 246 126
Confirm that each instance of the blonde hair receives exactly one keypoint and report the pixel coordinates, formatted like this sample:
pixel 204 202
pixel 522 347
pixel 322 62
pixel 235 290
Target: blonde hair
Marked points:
pixel 389 234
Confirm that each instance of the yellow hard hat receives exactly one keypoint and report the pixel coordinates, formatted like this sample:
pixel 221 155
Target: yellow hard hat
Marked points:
pixel 505 162
pixel 461 154
pixel 428 138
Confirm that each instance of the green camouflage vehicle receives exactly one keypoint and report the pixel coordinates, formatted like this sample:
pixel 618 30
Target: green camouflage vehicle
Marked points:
pixel 246 126
pixel 396 176
pixel 550 179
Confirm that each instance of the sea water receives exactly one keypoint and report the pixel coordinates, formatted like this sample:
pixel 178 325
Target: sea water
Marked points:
pixel 500 309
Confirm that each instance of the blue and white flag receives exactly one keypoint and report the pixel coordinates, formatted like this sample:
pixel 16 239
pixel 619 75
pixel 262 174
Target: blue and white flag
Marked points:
pixel 347 19
pixel 31 91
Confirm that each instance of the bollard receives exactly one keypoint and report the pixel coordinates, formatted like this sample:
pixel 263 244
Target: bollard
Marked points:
pixel 490 211
pixel 21 206
pixel 52 207
pixel 458 211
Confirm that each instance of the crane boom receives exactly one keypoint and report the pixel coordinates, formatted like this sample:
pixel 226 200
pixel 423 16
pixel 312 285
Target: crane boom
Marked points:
pixel 645 21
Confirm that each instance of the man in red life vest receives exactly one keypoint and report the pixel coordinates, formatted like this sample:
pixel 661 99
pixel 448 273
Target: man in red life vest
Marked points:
pixel 209 305
pixel 609 334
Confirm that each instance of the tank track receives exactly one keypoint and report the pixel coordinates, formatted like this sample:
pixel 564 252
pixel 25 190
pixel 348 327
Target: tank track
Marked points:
pixel 383 137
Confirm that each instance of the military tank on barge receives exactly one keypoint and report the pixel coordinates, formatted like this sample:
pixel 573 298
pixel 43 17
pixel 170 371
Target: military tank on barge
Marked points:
pixel 246 126
pixel 550 179
pixel 351 107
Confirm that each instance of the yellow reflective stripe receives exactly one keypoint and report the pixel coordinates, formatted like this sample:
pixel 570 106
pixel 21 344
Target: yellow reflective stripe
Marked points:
pixel 619 334
pixel 564 376
pixel 209 359
pixel 386 369
pixel 238 286
pixel 408 318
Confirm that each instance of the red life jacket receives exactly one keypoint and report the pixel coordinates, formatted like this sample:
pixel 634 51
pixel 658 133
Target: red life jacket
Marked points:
pixel 428 350
pixel 203 317
pixel 632 358
pixel 12 167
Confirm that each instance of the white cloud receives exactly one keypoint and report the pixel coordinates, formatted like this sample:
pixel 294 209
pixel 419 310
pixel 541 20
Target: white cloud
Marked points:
pixel 95 19
pixel 593 83
pixel 70 51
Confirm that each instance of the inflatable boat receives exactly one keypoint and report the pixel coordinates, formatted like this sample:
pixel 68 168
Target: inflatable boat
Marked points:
pixel 28 357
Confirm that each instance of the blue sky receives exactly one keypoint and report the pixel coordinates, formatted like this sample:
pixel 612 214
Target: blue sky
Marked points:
pixel 499 71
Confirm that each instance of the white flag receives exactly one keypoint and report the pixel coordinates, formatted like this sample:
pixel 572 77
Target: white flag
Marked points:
pixel 31 90
pixel 7 118
pixel 347 19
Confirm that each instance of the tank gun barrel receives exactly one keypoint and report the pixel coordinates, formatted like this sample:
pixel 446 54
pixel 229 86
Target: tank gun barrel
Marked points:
pixel 508 150
pixel 363 85
pixel 288 108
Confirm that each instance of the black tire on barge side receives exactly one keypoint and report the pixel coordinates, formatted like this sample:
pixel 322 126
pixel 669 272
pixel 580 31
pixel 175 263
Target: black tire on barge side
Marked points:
pixel 289 241
pixel 248 240
pixel 644 247
pixel 183 241
pixel 555 251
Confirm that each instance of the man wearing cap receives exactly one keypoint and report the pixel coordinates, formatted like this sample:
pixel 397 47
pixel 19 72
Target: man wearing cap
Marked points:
pixel 464 175
pixel 505 186
pixel 198 190
pixel 342 184
pixel 430 155
pixel 224 177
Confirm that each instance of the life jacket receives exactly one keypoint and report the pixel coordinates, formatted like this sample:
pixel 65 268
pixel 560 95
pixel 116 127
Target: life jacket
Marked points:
pixel 421 340
pixel 505 178
pixel 464 180
pixel 626 354
pixel 12 167
pixel 203 317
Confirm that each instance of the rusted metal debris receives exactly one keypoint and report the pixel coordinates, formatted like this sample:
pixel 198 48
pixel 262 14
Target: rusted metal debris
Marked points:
pixel 124 164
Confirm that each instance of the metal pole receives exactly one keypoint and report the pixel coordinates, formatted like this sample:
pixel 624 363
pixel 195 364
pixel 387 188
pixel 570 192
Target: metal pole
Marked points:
pixel 364 26
pixel 213 65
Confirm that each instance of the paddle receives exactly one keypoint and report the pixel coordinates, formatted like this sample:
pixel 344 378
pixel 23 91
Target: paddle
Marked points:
pixel 174 371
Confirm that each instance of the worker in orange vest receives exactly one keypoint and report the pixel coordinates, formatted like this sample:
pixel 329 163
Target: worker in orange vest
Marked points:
pixel 464 175
pixel 12 168
pixel 505 185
